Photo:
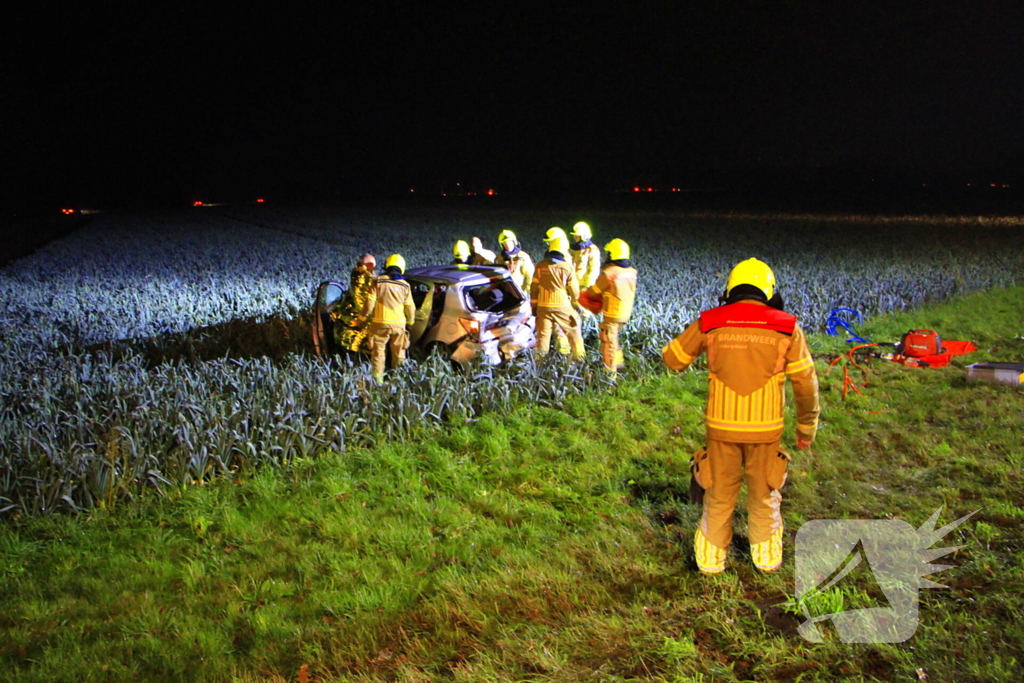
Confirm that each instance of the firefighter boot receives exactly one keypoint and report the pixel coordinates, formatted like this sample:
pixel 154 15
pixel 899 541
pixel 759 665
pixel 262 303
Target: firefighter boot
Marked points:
pixel 710 559
pixel 767 555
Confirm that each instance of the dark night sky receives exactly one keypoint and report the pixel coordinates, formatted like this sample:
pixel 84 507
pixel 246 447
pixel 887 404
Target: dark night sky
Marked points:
pixel 182 102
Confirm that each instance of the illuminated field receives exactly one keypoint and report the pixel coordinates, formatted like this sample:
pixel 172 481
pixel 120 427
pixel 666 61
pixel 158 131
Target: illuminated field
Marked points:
pixel 154 350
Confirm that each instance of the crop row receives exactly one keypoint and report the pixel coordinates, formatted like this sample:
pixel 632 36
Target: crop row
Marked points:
pixel 154 351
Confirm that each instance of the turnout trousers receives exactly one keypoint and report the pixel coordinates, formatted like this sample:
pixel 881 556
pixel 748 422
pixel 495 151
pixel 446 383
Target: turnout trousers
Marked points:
pixel 611 352
pixel 383 336
pixel 550 319
pixel 727 465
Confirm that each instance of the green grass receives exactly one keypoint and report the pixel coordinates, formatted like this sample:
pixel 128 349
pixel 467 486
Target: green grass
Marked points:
pixel 542 545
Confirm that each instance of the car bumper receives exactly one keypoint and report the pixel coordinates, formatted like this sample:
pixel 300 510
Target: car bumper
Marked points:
pixel 498 348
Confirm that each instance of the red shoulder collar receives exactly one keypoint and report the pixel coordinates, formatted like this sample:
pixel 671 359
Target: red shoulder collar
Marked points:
pixel 747 315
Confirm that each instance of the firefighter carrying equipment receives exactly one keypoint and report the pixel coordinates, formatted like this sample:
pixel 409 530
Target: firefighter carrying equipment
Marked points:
pixel 752 272
pixel 615 288
pixel 461 250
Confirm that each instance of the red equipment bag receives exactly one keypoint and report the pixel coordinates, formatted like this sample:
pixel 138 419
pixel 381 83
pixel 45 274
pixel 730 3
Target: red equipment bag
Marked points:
pixel 590 301
pixel 921 343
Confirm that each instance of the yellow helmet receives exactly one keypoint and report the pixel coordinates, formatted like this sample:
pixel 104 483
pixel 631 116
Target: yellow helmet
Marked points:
pixel 395 261
pixel 582 230
pixel 461 250
pixel 752 272
pixel 617 249
pixel 560 244
pixel 554 234
pixel 507 236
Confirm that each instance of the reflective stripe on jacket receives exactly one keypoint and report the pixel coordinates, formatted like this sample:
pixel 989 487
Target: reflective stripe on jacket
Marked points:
pixel 747 370
pixel 617 288
pixel 390 302
pixel 554 286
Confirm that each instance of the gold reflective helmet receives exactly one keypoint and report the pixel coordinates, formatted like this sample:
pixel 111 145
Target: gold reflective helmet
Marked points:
pixel 461 250
pixel 554 234
pixel 559 244
pixel 395 261
pixel 617 249
pixel 507 236
pixel 582 230
pixel 752 272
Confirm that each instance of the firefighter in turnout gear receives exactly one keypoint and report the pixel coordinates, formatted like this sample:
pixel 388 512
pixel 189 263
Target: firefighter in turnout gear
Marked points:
pixel 752 347
pixel 350 334
pixel 613 295
pixel 556 233
pixel 391 312
pixel 514 259
pixel 553 293
pixel 461 253
pixel 586 256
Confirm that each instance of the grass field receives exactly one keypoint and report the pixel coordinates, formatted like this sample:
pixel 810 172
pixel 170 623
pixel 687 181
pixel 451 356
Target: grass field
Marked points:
pixel 542 544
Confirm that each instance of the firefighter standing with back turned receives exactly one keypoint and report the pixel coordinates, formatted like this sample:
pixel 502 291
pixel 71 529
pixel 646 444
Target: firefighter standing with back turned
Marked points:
pixel 553 293
pixel 391 312
pixel 613 294
pixel 752 346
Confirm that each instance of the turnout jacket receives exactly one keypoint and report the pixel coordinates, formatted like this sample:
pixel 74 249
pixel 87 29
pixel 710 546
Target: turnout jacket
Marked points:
pixel 390 303
pixel 616 286
pixel 751 349
pixel 519 264
pixel 587 261
pixel 554 286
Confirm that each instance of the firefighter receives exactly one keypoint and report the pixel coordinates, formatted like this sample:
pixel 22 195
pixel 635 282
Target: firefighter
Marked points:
pixel 481 256
pixel 561 342
pixel 461 253
pixel 752 346
pixel 350 334
pixel 586 256
pixel 554 291
pixel 514 259
pixel 613 295
pixel 391 312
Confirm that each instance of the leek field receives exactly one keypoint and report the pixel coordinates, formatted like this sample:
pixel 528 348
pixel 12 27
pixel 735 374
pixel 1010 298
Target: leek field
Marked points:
pixel 188 493
pixel 156 351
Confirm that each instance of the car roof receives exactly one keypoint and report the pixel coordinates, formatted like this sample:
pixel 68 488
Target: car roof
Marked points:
pixel 465 275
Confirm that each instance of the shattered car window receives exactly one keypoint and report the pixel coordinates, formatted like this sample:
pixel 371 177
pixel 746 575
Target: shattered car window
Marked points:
pixel 499 296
